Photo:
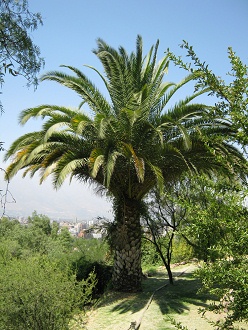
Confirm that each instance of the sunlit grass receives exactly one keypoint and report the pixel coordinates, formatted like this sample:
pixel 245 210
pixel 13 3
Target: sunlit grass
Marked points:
pixel 180 302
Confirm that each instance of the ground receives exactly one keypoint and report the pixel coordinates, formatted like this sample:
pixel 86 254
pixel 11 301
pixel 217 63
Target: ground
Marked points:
pixel 155 307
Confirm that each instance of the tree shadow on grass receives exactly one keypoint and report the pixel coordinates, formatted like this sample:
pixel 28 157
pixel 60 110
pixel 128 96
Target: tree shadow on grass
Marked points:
pixel 135 302
pixel 176 298
pixel 170 298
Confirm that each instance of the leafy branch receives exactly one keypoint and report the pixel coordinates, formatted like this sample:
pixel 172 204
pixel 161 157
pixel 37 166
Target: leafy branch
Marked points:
pixel 232 97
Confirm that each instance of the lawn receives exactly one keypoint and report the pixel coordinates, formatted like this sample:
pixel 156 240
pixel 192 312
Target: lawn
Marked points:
pixel 154 308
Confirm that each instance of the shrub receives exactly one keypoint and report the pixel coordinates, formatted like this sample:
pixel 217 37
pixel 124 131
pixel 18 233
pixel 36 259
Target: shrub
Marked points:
pixel 181 251
pixel 36 294
pixel 149 255
pixel 83 267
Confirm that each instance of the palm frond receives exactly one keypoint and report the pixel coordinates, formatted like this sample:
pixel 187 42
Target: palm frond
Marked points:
pixel 158 175
pixel 68 169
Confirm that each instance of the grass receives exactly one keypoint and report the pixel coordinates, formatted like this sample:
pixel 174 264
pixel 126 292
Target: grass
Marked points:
pixel 179 302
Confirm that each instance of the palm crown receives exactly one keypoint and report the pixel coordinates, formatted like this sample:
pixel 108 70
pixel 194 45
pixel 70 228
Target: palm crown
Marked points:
pixel 130 144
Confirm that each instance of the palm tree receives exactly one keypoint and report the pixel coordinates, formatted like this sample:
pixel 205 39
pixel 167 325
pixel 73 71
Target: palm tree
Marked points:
pixel 129 143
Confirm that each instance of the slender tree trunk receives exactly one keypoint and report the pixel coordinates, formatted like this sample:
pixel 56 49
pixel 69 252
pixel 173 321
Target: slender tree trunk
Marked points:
pixel 169 272
pixel 167 262
pixel 127 274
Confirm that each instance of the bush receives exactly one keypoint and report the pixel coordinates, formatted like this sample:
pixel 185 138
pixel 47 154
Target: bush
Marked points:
pixel 181 251
pixel 36 294
pixel 92 255
pixel 149 255
pixel 94 249
pixel 103 272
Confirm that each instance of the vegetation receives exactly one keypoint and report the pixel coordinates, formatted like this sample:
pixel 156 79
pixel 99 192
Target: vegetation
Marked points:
pixel 18 54
pixel 232 97
pixel 42 285
pixel 57 270
pixel 132 311
pixel 226 276
pixel 211 217
pixel 37 294
pixel 128 145
pixel 144 153
pixel 224 230
pixel 162 220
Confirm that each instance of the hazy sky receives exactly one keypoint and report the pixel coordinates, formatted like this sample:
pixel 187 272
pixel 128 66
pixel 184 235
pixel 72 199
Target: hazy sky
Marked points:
pixel 68 36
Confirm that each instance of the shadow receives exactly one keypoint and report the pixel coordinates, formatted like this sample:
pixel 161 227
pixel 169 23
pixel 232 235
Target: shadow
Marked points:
pixel 170 298
pixel 175 298
pixel 136 302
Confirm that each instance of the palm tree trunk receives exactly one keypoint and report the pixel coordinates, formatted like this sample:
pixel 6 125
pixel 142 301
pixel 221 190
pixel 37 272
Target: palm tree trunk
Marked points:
pixel 127 273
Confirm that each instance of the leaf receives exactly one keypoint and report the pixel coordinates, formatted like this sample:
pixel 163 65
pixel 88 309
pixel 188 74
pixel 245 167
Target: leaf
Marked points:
pixel 96 160
pixel 139 163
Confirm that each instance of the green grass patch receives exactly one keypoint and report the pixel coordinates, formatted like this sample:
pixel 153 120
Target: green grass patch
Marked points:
pixel 180 301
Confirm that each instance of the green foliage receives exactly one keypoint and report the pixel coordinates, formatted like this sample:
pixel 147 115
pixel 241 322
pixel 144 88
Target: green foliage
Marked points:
pixel 216 226
pixel 65 239
pixel 92 255
pixel 163 219
pixel 227 277
pixel 53 274
pixel 181 250
pixel 150 256
pixel 9 249
pixel 103 272
pixel 9 246
pixel 31 238
pixel 36 294
pixel 94 249
pixel 18 54
pixel 7 227
pixel 211 205
pixel 40 222
pixel 232 95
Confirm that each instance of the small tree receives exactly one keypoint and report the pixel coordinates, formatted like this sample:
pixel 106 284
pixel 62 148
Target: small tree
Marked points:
pixel 216 226
pixel 18 54
pixel 40 222
pixel 163 220
pixel 211 205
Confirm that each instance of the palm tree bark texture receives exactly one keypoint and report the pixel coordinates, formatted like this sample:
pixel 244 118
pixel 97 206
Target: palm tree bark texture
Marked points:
pixel 127 143
pixel 126 239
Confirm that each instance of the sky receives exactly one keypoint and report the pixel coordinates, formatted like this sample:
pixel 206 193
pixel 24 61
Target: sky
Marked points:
pixel 68 36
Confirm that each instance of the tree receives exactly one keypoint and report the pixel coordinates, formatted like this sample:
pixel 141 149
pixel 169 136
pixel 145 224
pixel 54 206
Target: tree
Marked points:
pixel 163 220
pixel 128 145
pixel 18 54
pixel 215 224
pixel 220 227
pixel 209 205
pixel 41 222
pixel 232 97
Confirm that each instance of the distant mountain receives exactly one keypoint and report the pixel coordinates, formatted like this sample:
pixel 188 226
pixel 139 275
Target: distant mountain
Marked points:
pixel 70 202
